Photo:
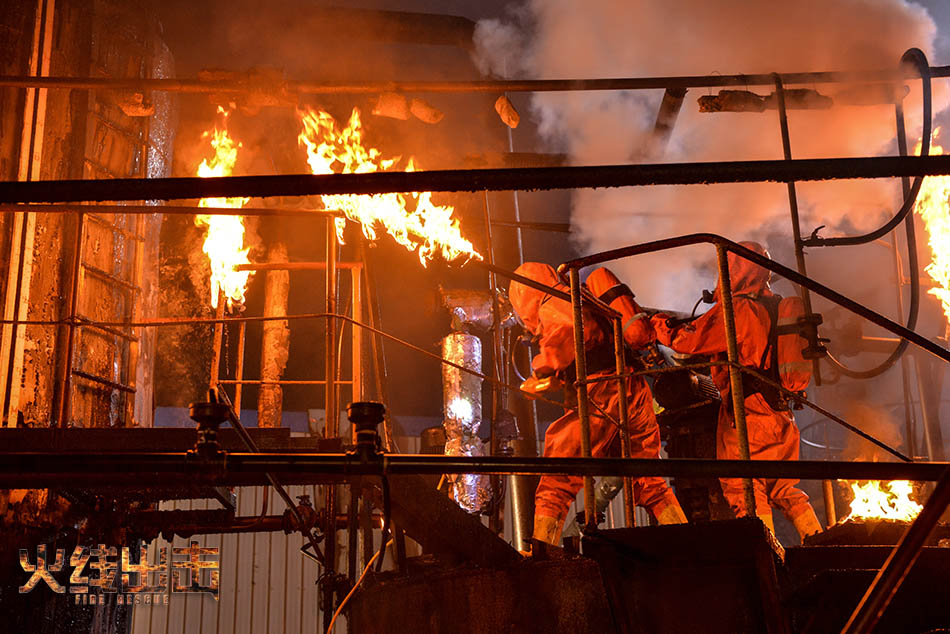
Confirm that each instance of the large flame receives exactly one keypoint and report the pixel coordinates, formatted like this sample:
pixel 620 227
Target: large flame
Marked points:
pixel 413 220
pixel 890 502
pixel 224 243
pixel 933 205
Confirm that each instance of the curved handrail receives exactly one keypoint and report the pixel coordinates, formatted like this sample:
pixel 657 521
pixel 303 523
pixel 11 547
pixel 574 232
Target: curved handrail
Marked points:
pixel 791 275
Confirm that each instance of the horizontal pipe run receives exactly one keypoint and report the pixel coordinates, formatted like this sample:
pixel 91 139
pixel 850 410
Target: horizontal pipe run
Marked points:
pixel 177 210
pixel 791 275
pixel 290 87
pixel 553 227
pixel 281 382
pixel 522 178
pixel 294 266
pixel 42 469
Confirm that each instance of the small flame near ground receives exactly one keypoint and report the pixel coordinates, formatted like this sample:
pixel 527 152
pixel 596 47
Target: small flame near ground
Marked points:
pixel 224 243
pixel 933 206
pixel 874 499
pixel 413 220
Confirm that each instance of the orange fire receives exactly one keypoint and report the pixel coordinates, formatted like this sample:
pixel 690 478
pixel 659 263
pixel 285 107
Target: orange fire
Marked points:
pixel 413 220
pixel 933 206
pixel 874 501
pixel 224 243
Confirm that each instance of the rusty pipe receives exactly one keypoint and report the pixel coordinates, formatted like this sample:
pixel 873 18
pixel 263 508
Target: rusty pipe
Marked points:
pixel 583 405
pixel 735 374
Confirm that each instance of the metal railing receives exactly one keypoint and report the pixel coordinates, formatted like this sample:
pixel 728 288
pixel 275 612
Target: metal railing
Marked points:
pixel 903 556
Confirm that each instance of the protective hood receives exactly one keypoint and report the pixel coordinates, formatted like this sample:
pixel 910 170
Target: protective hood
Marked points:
pixel 745 277
pixel 526 300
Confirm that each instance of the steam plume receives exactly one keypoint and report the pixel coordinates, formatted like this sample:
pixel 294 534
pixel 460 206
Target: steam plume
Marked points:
pixel 606 38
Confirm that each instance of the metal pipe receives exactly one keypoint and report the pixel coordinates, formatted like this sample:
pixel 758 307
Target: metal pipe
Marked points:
pixel 554 227
pixel 666 117
pixel 629 506
pixel 76 275
pixel 735 374
pixel 910 197
pixel 525 178
pixel 899 562
pixel 275 340
pixel 239 367
pixel 242 85
pixel 374 317
pixel 235 419
pixel 294 266
pixel 171 210
pixel 827 490
pixel 24 469
pixel 217 338
pixel 916 57
pixel 332 424
pixel 910 436
pixel 766 263
pixel 580 363
pixel 499 394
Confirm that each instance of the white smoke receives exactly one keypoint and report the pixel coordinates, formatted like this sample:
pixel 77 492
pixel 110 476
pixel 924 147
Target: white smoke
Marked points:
pixel 606 38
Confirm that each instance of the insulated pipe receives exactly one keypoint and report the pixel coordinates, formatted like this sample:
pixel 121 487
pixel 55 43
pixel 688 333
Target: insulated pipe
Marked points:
pixel 735 374
pixel 580 363
pixel 523 178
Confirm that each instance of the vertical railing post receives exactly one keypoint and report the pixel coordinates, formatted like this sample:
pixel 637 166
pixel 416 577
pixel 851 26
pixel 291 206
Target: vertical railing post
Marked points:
pixel 735 373
pixel 65 404
pixel 583 407
pixel 332 427
pixel 628 501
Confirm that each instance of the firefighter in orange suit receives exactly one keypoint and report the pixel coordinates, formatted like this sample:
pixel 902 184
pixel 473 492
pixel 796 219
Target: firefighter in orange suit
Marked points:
pixel 773 434
pixel 550 320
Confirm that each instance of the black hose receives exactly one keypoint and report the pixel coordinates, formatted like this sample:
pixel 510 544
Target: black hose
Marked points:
pixel 916 57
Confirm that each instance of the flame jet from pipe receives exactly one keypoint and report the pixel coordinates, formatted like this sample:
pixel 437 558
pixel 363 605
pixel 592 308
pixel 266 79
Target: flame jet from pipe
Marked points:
pixel 413 220
pixel 224 243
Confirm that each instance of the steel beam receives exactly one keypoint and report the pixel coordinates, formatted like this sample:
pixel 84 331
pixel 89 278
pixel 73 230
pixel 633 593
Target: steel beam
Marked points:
pixel 141 469
pixel 524 178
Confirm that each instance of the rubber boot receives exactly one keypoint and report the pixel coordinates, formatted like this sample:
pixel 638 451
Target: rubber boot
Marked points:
pixel 768 521
pixel 672 514
pixel 807 523
pixel 548 529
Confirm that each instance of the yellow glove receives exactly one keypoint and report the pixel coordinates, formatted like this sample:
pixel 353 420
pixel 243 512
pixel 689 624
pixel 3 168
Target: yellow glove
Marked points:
pixel 540 385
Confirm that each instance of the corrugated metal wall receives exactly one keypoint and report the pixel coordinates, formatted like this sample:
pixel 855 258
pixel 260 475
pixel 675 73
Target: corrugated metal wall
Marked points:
pixel 267 584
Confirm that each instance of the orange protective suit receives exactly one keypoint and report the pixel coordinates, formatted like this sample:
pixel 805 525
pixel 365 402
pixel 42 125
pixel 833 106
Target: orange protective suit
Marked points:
pixel 550 319
pixel 773 435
